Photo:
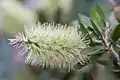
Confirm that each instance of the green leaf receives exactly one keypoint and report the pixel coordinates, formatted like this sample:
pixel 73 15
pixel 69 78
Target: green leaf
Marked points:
pixel 100 12
pixel 95 57
pixel 98 31
pixel 94 52
pixel 91 50
pixel 95 28
pixel 84 19
pixel 97 15
pixel 115 34
pixel 102 22
pixel 94 15
pixel 104 62
pixel 84 30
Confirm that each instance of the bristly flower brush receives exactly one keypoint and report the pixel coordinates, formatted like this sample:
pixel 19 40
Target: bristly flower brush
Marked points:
pixel 50 45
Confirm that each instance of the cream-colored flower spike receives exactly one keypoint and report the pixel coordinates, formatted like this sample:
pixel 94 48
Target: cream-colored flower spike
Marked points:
pixel 50 45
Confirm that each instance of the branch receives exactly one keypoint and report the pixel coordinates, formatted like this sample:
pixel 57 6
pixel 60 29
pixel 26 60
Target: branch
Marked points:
pixel 107 41
pixel 115 55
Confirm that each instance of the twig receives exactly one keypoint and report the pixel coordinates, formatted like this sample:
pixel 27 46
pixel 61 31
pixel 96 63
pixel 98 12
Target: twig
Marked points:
pixel 115 54
pixel 107 34
pixel 108 43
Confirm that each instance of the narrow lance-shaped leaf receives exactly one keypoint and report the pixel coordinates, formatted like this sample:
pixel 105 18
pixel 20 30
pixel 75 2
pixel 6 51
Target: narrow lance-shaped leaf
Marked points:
pixel 95 27
pixel 91 50
pixel 100 12
pixel 84 20
pixel 115 34
pixel 94 14
pixel 82 27
pixel 102 16
pixel 103 22
pixel 104 62
pixel 96 56
pixel 97 15
pixel 97 30
pixel 92 30
pixel 94 53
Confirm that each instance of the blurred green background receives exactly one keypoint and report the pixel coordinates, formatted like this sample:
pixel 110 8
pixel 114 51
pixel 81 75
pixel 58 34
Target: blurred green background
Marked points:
pixel 15 13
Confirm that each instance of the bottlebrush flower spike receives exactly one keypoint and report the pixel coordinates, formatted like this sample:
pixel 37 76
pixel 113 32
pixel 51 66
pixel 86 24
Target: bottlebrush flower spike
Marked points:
pixel 50 45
